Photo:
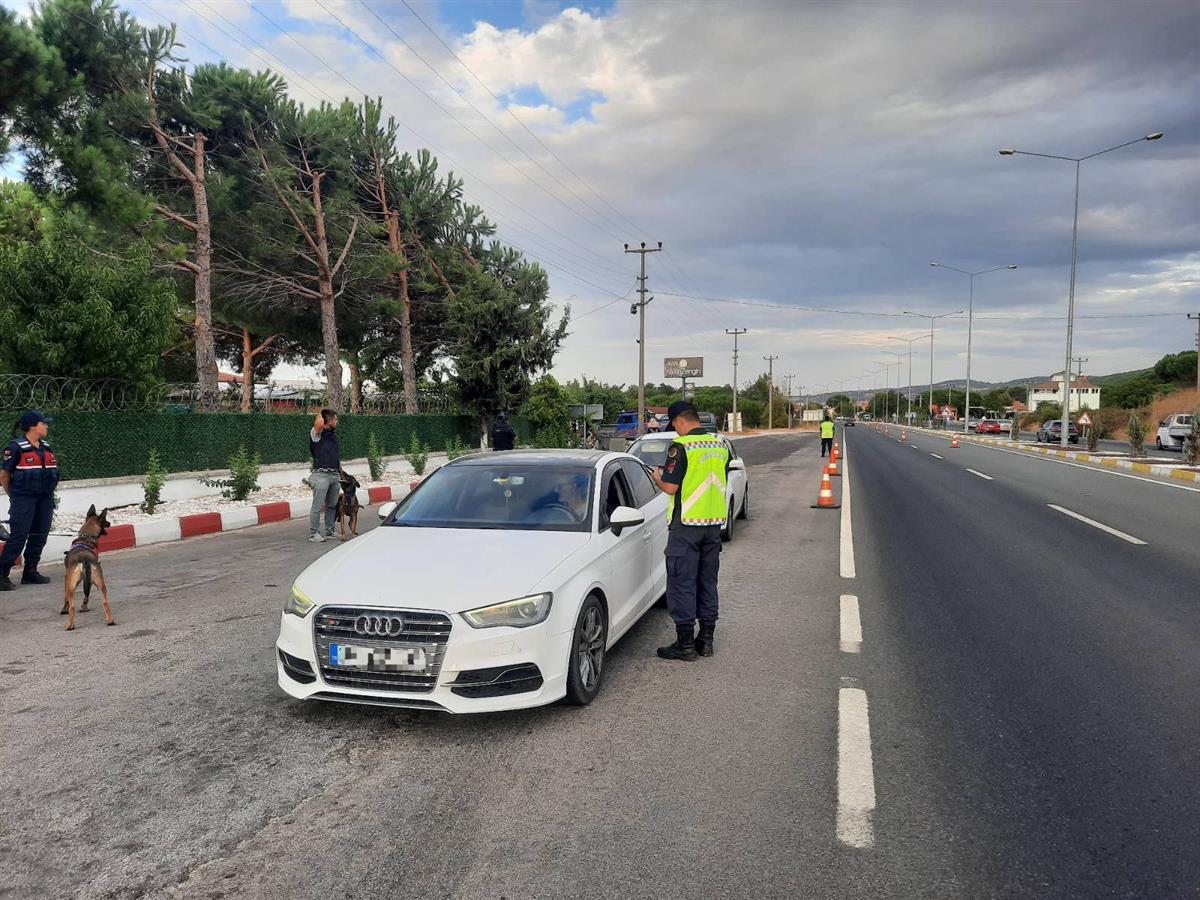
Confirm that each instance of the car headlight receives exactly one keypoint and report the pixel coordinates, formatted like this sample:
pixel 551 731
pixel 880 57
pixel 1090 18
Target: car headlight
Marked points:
pixel 298 604
pixel 519 613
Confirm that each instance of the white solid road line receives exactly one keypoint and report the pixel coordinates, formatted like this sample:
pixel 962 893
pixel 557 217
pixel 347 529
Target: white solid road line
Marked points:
pixel 856 770
pixel 846 555
pixel 914 446
pixel 935 456
pixel 1074 515
pixel 851 641
pixel 981 475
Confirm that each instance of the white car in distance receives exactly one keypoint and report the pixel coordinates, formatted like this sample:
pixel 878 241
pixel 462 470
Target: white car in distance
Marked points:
pixel 499 583
pixel 1173 431
pixel 652 450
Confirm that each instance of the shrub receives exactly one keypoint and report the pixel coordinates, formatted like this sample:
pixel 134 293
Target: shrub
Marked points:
pixel 417 455
pixel 375 458
pixel 243 469
pixel 1191 444
pixel 456 448
pixel 153 485
pixel 1137 436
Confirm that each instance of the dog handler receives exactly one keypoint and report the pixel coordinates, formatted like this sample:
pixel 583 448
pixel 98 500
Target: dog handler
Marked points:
pixel 694 476
pixel 28 474
pixel 325 477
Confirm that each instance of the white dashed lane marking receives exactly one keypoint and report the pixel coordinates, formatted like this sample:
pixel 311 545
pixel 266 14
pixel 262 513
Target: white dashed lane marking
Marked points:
pixel 935 456
pixel 856 770
pixel 851 640
pixel 1074 515
pixel 981 475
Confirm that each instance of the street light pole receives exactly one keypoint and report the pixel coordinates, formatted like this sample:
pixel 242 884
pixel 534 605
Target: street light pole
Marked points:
pixel 932 319
pixel 736 426
pixel 770 360
pixel 1078 160
pixel 909 341
pixel 970 321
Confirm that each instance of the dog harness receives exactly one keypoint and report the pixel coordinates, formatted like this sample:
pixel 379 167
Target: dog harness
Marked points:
pixel 85 545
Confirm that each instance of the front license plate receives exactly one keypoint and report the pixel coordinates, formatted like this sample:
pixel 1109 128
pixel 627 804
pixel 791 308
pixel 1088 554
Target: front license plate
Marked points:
pixel 377 659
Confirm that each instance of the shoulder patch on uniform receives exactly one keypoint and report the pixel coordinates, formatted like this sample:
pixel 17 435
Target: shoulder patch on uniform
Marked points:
pixel 673 451
pixel 8 452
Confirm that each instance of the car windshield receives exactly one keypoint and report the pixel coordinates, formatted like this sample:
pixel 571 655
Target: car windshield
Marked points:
pixel 526 498
pixel 651 452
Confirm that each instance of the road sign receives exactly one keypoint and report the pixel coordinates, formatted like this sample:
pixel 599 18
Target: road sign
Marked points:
pixel 683 367
pixel 1085 419
pixel 592 411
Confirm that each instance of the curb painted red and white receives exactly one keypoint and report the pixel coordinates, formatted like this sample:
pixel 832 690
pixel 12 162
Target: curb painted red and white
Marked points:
pixel 178 528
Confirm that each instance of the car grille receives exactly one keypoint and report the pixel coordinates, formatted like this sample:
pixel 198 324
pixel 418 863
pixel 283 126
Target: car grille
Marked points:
pixel 427 630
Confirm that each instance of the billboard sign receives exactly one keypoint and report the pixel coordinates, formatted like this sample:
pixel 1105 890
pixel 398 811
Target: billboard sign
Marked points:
pixel 683 367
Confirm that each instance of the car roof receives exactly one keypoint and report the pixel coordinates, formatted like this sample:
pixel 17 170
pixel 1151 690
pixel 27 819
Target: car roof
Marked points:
pixel 659 435
pixel 547 457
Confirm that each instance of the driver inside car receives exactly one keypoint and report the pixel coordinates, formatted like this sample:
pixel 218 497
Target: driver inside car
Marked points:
pixel 569 492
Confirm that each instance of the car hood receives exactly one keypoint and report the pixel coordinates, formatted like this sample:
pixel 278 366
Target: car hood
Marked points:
pixel 445 569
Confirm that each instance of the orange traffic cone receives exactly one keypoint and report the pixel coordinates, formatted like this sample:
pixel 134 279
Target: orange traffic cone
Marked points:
pixel 825 495
pixel 831 467
pixel 904 435
pixel 837 452
pixel 954 441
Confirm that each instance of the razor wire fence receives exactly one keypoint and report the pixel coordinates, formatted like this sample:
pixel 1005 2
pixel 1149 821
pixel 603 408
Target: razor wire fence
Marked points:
pixel 51 393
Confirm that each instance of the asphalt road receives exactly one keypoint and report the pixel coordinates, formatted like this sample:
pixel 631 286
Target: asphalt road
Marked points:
pixel 1017 718
pixel 1045 668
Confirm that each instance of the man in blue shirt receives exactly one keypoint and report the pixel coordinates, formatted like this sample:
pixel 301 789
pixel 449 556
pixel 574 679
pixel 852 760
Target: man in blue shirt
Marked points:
pixel 325 477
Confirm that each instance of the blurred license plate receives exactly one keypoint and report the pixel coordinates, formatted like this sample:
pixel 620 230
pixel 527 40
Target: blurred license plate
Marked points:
pixel 377 659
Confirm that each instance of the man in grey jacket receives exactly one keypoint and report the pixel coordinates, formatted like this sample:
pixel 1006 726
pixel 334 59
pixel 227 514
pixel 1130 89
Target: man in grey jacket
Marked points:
pixel 325 477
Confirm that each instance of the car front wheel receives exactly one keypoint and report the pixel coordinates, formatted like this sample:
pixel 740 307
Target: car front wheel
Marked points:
pixel 745 505
pixel 585 668
pixel 1158 442
pixel 727 531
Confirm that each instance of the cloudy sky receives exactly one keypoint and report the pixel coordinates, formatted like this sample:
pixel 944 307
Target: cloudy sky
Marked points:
pixel 802 163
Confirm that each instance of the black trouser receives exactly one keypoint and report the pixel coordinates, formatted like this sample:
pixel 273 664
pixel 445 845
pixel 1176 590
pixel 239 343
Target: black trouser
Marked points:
pixel 826 445
pixel 29 518
pixel 693 563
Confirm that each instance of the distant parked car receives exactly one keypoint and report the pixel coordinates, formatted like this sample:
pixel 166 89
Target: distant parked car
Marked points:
pixel 627 423
pixel 1006 426
pixel 708 421
pixel 1173 431
pixel 988 426
pixel 1051 432
pixel 849 423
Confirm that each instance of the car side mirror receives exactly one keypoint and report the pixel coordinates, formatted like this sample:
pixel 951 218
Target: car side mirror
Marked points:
pixel 625 517
pixel 737 464
pixel 386 509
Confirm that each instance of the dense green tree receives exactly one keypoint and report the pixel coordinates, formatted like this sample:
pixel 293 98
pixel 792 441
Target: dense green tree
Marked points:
pixel 64 310
pixel 548 409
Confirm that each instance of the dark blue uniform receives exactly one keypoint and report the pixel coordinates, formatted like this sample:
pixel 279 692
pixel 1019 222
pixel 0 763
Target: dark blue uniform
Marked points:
pixel 33 474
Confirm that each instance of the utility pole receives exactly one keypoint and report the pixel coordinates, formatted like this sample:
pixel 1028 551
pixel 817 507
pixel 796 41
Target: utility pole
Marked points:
pixel 1196 316
pixel 789 378
pixel 1081 360
pixel 640 308
pixel 770 391
pixel 736 425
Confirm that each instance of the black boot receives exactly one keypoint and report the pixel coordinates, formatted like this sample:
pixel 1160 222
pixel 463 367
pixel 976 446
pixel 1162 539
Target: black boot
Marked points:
pixel 33 576
pixel 5 583
pixel 704 640
pixel 684 647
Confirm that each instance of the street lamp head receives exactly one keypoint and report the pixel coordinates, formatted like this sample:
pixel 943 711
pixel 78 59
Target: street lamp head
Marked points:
pixel 935 264
pixel 1007 152
pixel 1012 267
pixel 1154 136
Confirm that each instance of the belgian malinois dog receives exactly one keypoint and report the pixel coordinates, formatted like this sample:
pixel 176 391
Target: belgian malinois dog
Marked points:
pixel 347 505
pixel 83 564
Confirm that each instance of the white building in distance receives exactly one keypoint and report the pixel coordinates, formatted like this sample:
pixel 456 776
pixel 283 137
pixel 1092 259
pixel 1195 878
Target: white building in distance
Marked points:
pixel 1084 394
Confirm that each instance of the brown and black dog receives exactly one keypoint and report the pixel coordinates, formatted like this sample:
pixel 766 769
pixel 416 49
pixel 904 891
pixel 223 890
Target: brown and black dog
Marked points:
pixel 83 564
pixel 347 505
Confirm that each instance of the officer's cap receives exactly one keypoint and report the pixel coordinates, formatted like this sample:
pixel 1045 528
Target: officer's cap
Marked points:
pixel 32 417
pixel 679 407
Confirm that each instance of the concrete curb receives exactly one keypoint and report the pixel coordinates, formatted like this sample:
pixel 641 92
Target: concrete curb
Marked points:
pixel 1172 472
pixel 177 528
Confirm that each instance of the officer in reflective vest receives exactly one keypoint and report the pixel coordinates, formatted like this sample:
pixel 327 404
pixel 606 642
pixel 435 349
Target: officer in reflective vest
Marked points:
pixel 694 476
pixel 29 475
pixel 827 428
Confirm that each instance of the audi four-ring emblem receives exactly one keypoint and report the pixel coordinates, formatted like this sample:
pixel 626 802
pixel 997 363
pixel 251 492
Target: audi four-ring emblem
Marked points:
pixel 379 626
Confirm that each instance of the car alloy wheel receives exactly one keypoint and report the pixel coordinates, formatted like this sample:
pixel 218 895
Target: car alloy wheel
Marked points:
pixel 586 665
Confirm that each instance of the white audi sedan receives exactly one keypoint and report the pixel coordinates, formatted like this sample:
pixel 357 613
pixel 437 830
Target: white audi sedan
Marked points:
pixel 499 583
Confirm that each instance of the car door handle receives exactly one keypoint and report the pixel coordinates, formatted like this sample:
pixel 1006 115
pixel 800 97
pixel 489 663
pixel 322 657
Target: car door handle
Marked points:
pixel 645 534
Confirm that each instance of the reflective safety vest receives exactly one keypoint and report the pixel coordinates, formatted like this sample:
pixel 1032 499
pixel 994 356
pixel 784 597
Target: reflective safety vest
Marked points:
pixel 826 428
pixel 703 490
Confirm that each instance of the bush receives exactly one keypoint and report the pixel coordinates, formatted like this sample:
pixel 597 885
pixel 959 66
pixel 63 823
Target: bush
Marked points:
pixel 375 457
pixel 153 485
pixel 1137 436
pixel 456 448
pixel 1048 412
pixel 547 409
pixel 417 455
pixel 1177 367
pixel 244 471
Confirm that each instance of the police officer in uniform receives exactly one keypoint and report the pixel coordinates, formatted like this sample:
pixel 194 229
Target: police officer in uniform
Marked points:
pixel 29 475
pixel 694 477
pixel 827 429
pixel 504 436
